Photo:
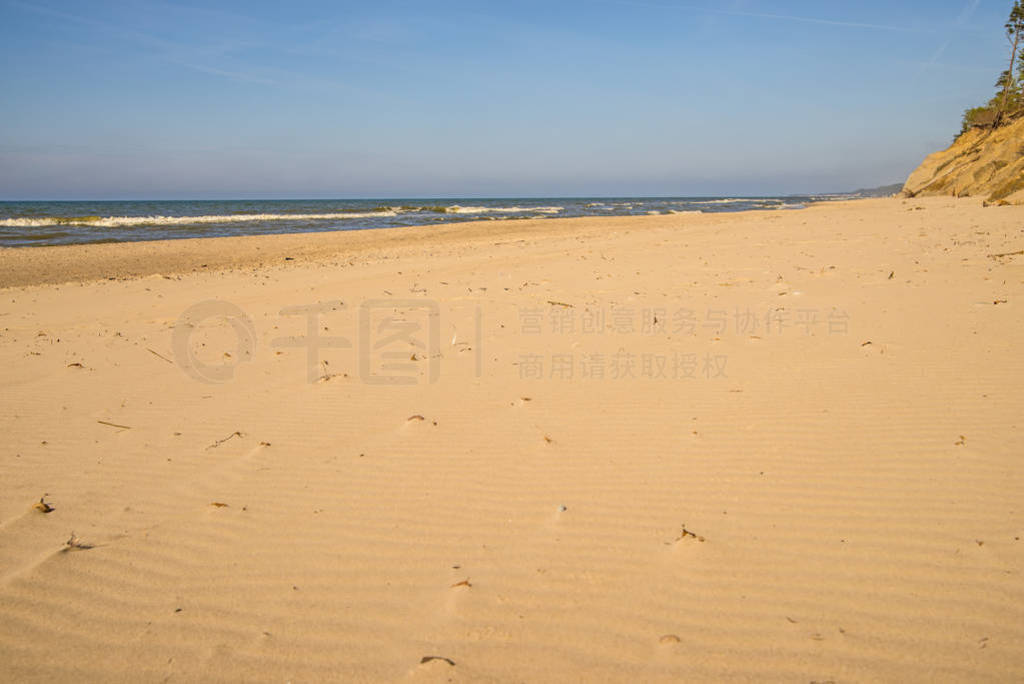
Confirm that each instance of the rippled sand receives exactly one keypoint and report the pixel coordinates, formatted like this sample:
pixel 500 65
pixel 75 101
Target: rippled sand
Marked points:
pixel 597 461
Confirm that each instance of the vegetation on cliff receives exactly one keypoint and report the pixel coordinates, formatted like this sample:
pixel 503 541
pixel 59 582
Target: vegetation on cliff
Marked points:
pixel 987 158
pixel 1008 102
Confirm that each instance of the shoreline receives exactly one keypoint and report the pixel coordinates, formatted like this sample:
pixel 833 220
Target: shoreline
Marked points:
pixel 57 264
pixel 99 222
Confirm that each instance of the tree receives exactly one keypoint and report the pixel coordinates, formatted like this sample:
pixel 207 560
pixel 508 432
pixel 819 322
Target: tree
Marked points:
pixel 1008 100
pixel 1014 34
pixel 1007 96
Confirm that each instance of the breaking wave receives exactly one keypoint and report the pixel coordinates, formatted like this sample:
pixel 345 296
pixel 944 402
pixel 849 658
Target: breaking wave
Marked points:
pixel 456 209
pixel 119 221
pixel 384 212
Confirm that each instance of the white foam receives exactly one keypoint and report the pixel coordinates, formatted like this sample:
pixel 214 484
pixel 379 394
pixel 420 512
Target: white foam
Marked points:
pixel 729 200
pixel 456 209
pixel 119 221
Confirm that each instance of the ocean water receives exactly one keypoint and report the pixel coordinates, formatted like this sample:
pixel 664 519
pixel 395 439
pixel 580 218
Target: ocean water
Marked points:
pixel 24 224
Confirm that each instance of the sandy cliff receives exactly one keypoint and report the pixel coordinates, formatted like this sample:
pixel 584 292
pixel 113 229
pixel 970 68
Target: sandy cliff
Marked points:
pixel 980 163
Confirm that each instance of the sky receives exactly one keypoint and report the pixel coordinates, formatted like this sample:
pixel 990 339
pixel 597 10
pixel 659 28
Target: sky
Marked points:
pixel 140 99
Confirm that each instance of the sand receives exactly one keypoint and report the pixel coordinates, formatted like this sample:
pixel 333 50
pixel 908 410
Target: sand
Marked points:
pixel 541 482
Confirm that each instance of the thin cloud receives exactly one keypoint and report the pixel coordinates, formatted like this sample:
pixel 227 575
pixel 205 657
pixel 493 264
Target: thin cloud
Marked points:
pixel 233 75
pixel 967 12
pixel 938 53
pixel 186 56
pixel 965 15
pixel 816 20
pixel 777 17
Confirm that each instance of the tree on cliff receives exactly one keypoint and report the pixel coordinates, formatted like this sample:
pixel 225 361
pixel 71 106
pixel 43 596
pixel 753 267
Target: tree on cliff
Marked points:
pixel 1014 35
pixel 1009 98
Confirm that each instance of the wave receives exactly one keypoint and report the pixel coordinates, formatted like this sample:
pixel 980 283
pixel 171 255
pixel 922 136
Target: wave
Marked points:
pixel 119 221
pixel 834 198
pixel 730 200
pixel 383 212
pixel 456 209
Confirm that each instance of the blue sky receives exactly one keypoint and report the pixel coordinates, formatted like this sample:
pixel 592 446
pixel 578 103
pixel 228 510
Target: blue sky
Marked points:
pixel 144 99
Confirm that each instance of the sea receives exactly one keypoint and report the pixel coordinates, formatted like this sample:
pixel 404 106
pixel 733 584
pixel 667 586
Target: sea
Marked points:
pixel 38 223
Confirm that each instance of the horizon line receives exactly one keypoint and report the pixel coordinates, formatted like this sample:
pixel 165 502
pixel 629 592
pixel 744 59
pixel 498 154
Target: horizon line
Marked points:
pixel 447 197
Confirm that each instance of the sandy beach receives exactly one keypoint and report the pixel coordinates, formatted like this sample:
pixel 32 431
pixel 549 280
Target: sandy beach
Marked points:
pixel 764 446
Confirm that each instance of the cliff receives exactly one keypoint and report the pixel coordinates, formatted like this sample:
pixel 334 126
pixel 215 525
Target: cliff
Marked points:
pixel 982 162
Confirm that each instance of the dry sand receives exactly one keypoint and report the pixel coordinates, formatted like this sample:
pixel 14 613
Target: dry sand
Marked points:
pixel 851 486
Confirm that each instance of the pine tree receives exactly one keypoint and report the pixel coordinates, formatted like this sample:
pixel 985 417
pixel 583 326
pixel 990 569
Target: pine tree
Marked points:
pixel 1014 34
pixel 1009 97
